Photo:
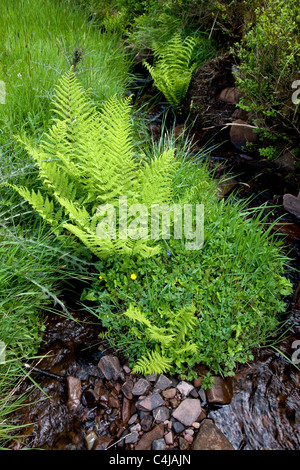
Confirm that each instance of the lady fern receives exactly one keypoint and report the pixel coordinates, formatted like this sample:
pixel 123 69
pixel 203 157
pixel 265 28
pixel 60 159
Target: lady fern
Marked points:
pixel 173 71
pixel 87 160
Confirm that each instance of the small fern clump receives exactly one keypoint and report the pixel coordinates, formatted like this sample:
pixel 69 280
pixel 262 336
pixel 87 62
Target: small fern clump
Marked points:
pixel 87 160
pixel 172 71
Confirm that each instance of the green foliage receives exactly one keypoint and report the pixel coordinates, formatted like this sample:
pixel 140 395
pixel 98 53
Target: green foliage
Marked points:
pixel 172 71
pixel 86 162
pixel 235 285
pixel 269 57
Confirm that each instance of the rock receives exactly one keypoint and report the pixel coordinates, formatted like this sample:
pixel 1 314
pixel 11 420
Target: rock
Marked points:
pixel 126 410
pixel 226 186
pixel 133 419
pixel 189 431
pixel 126 369
pixel 210 437
pixel 150 403
pixel 178 427
pixel 198 382
pixel 132 438
pixel 230 95
pixel 151 377
pixel 174 402
pixel 159 444
pixel 113 402
pixel 240 133
pixel 170 393
pixel 189 438
pixel 74 392
pixel 292 204
pixel 90 439
pixel 184 388
pixel 196 425
pixel 135 427
pixel 286 161
pixel 169 438
pixel 147 438
pixel 221 391
pixel 161 414
pixel 146 422
pixel 183 443
pixel 188 411
pixel 127 389
pixel 103 442
pixel 163 382
pixel 141 387
pixel 110 367
pixel 202 395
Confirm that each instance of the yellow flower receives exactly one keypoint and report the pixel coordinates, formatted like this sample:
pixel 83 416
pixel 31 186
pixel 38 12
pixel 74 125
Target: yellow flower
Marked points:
pixel 100 277
pixel 133 277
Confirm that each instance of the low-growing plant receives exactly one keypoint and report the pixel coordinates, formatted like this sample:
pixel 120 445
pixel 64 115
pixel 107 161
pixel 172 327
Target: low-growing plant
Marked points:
pixel 172 71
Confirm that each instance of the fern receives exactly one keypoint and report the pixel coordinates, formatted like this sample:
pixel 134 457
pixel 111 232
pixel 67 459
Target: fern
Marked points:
pixel 86 160
pixel 172 71
pixel 152 363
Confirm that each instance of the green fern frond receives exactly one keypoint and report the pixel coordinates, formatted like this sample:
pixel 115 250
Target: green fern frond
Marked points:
pixel 152 363
pixel 183 321
pixel 136 315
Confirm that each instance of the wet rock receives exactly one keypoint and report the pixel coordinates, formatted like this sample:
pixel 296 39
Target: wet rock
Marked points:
pixel 183 443
pixel 163 382
pixel 230 95
pixel 226 186
pixel 221 392
pixel 146 422
pixel 132 437
pixel 286 161
pixel 184 388
pixel 178 427
pixel 141 387
pixel 74 392
pixel 188 411
pixel 241 133
pixel 210 437
pixel 159 444
pixel 161 414
pixel 90 439
pixel 169 438
pixel 127 389
pixel 291 204
pixel 110 367
pixel 150 403
pixel 170 393
pixel 147 438
pixel 103 442
pixel 126 410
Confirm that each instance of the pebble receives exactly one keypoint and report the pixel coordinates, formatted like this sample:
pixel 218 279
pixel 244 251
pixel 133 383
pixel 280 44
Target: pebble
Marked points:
pixel 146 422
pixel 184 388
pixel 169 438
pixel 188 411
pixel 178 427
pixel 161 414
pixel 74 392
pixel 90 439
pixel 110 367
pixel 159 444
pixel 163 382
pixel 150 403
pixel 133 419
pixel 170 393
pixel 132 438
pixel 141 387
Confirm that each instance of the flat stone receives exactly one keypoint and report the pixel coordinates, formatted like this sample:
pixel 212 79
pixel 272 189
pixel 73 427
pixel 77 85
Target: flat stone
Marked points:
pixel 161 414
pixel 170 393
pixel 291 204
pixel 127 389
pixel 163 382
pixel 110 367
pixel 141 387
pixel 184 388
pixel 103 442
pixel 132 438
pixel 178 427
pixel 151 377
pixel 126 410
pixel 169 438
pixel 133 419
pixel 159 444
pixel 221 392
pixel 210 437
pixel 150 403
pixel 188 411
pixel 146 440
pixel 74 392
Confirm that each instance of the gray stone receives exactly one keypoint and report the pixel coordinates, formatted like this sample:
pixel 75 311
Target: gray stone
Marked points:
pixel 161 414
pixel 202 395
pixel 151 377
pixel 159 444
pixel 110 367
pixel 188 411
pixel 184 388
pixel 133 419
pixel 242 133
pixel 163 382
pixel 230 95
pixel 178 427
pixel 150 403
pixel 292 204
pixel 141 387
pixel 132 438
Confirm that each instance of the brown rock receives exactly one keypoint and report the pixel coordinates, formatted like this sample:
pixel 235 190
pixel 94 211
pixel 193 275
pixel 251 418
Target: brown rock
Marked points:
pixel 147 438
pixel 210 437
pixel 170 393
pixel 230 95
pixel 126 410
pixel 110 367
pixel 90 439
pixel 221 391
pixel 150 403
pixel 174 402
pixel 113 402
pixel 225 187
pixel 146 422
pixel 127 389
pixel 74 392
pixel 169 438
pixel 241 133
pixel 183 443
pixel 286 161
pixel 198 382
pixel 291 204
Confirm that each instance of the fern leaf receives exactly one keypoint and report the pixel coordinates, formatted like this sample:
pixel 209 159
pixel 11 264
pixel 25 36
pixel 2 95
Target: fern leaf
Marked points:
pixel 152 363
